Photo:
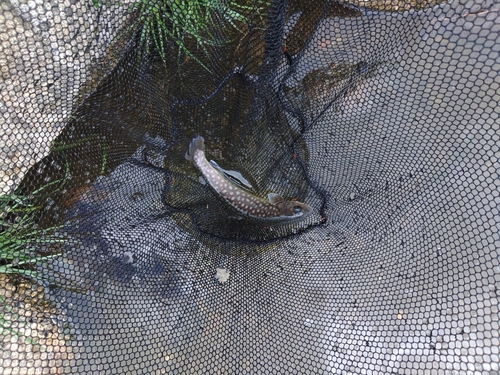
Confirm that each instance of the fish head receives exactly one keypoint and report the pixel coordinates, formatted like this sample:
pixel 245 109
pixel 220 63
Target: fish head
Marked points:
pixel 292 209
pixel 295 209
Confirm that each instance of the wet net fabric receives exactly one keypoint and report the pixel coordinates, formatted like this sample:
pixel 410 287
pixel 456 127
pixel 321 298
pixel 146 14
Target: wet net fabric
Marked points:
pixel 383 118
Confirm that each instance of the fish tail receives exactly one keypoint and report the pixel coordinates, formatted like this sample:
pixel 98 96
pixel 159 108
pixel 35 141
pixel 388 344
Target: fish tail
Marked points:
pixel 198 143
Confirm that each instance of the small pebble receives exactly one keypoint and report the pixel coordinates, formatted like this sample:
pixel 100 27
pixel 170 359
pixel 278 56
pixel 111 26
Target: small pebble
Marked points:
pixel 222 275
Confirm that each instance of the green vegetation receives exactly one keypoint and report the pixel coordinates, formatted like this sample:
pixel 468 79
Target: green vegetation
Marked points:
pixel 186 21
pixel 19 240
pixel 19 237
pixel 58 147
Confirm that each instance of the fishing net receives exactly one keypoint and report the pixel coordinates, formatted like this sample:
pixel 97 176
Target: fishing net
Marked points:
pixel 119 258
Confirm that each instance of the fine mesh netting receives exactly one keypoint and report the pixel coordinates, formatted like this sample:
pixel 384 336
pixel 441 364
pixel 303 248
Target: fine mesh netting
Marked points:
pixel 119 257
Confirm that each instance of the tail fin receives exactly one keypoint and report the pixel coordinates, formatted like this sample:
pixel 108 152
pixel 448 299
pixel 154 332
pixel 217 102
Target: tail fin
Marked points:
pixel 198 143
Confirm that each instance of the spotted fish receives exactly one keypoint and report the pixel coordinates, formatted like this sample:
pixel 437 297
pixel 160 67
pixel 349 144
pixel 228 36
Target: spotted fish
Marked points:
pixel 248 205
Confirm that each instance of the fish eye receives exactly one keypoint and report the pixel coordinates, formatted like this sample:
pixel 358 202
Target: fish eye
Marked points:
pixel 297 209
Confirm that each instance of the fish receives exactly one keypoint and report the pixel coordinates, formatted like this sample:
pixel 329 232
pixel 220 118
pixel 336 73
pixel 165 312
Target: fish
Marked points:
pixel 247 204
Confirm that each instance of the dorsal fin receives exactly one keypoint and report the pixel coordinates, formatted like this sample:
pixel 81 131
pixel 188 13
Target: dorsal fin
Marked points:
pixel 275 198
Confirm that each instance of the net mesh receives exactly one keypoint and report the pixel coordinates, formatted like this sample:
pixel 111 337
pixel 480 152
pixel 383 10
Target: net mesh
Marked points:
pixel 118 257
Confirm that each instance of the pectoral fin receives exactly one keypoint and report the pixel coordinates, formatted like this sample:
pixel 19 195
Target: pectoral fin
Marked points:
pixel 233 176
pixel 275 198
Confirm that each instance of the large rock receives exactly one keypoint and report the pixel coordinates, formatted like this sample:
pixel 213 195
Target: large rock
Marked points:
pixel 47 51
